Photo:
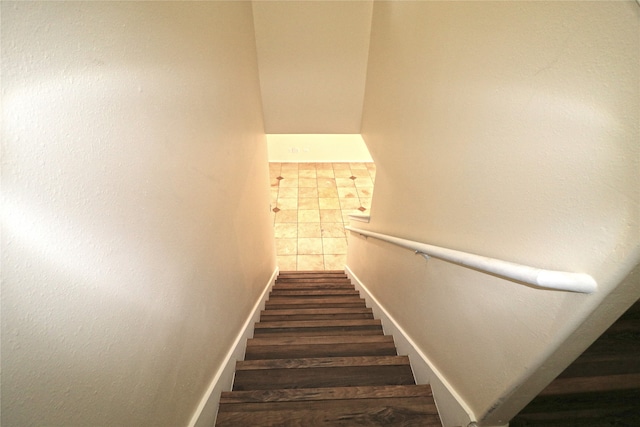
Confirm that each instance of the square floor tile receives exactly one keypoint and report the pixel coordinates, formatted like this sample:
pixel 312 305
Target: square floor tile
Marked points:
pixel 310 262
pixel 333 229
pixel 345 183
pixel 288 192
pixel 325 173
pixel 286 230
pixel 309 215
pixel 364 182
pixel 287 216
pixel 289 173
pixel 343 173
pixel 335 262
pixel 330 215
pixel 324 166
pixel 349 203
pixel 289 182
pixel 326 193
pixel 334 245
pixel 289 166
pixel 310 229
pixel 329 203
pixel 347 193
pixel 309 246
pixel 307 182
pixel 306 166
pixel 287 262
pixel 307 192
pixel 286 246
pixel 286 203
pixel 307 174
pixel 326 183
pixel 308 203
pixel 365 192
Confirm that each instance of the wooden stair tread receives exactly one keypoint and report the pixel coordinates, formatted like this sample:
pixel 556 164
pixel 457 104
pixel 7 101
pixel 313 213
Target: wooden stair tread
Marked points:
pixel 330 340
pixel 312 292
pixel 315 314
pixel 345 316
pixel 317 323
pixel 329 376
pixel 319 280
pixel 398 412
pixel 311 286
pixel 321 362
pixel 319 301
pixel 320 311
pixel 562 386
pixel 279 347
pixel 326 393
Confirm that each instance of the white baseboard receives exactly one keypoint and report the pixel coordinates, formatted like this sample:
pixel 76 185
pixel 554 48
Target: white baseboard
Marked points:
pixel 206 412
pixel 452 408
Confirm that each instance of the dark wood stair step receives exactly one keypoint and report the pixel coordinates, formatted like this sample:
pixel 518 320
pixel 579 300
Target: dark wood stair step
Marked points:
pixel 318 280
pixel 603 383
pixel 301 275
pixel 322 346
pixel 321 362
pixel 322 372
pixel 305 293
pixel 309 286
pixel 325 393
pixel 319 327
pixel 319 302
pixel 397 412
pixel 316 314
pixel 615 408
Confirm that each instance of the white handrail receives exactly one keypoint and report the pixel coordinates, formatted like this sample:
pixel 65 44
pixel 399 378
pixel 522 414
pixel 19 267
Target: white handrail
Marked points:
pixel 549 279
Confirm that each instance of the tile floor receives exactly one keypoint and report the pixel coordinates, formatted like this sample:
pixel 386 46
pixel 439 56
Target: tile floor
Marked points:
pixel 312 203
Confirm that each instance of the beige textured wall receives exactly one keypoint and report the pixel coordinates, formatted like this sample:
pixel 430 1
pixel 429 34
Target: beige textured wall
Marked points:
pixel 136 233
pixel 313 61
pixel 506 129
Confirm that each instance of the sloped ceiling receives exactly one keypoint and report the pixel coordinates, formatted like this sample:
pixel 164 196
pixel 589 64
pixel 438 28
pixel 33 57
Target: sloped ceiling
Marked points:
pixel 312 59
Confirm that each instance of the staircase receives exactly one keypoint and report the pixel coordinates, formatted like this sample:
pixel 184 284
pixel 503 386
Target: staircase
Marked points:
pixel 319 358
pixel 601 388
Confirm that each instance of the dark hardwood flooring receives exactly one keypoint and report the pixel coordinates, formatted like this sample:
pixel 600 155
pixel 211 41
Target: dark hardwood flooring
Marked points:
pixel 601 388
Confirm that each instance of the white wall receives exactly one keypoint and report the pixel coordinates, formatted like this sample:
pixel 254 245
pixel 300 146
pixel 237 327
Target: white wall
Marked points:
pixel 312 58
pixel 136 233
pixel 316 148
pixel 510 130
